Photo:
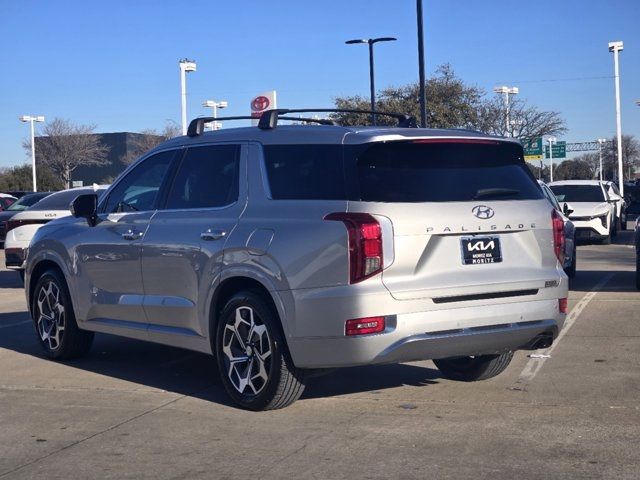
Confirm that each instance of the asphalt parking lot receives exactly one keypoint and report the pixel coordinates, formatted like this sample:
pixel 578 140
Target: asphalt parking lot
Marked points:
pixel 136 410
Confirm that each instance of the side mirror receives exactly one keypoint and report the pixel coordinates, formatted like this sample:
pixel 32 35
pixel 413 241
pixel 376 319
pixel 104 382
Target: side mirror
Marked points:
pixel 85 206
pixel 566 210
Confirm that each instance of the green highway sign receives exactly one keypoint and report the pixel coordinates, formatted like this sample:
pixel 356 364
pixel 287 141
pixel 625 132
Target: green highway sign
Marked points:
pixel 532 149
pixel 559 150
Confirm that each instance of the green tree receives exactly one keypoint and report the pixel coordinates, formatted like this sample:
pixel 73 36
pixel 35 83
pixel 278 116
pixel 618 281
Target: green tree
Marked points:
pixel 451 103
pixel 575 169
pixel 20 178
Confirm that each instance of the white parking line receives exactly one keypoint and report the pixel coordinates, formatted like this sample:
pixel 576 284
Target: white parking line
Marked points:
pixel 534 365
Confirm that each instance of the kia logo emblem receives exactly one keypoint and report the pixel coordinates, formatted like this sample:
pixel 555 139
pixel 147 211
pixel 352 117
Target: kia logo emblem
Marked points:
pixel 483 212
pixel 260 103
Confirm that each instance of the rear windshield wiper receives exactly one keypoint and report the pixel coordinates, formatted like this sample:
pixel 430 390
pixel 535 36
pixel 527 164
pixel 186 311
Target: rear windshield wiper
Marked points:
pixel 495 192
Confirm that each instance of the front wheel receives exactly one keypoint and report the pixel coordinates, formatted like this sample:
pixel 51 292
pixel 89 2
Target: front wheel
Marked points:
pixel 255 366
pixel 472 369
pixel 54 320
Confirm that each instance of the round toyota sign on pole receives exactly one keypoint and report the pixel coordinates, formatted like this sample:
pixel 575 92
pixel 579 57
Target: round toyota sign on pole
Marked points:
pixel 260 103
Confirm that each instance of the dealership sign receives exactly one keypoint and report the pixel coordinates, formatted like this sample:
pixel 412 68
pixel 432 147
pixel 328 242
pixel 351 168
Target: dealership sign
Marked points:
pixel 262 102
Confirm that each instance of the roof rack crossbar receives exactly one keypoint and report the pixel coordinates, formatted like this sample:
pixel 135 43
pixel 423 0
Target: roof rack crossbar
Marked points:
pixel 269 118
pixel 196 127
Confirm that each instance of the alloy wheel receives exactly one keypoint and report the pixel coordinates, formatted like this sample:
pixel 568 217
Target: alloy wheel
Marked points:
pixel 51 317
pixel 247 351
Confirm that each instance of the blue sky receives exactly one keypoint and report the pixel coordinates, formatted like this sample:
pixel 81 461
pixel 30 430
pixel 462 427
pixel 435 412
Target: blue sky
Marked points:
pixel 114 63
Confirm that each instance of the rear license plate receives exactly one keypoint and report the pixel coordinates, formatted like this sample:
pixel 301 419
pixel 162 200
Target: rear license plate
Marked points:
pixel 480 250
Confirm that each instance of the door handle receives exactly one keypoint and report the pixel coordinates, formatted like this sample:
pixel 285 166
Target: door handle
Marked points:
pixel 210 234
pixel 132 235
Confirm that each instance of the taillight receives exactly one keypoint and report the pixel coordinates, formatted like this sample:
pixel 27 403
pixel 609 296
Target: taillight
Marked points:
pixel 364 326
pixel 11 224
pixel 562 305
pixel 365 244
pixel 558 235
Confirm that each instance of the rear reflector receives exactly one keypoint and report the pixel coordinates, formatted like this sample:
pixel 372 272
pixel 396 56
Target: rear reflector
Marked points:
pixel 562 305
pixel 364 326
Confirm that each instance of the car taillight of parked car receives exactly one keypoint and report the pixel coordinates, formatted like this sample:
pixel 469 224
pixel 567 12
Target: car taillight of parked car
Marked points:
pixel 11 224
pixel 365 244
pixel 558 235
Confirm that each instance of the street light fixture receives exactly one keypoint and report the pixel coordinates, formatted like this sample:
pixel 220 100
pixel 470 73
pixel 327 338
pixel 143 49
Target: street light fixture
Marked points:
pixel 506 91
pixel 186 65
pixel 601 141
pixel 215 106
pixel 371 42
pixel 615 48
pixel 31 119
pixel 551 141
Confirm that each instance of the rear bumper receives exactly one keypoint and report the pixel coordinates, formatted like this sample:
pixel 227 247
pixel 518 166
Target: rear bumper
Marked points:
pixel 420 329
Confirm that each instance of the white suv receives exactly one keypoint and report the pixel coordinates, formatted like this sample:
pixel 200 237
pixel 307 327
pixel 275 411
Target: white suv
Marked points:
pixel 283 250
pixel 593 211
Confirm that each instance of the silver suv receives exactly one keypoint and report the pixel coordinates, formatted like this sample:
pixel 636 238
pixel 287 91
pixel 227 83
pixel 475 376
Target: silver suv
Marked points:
pixel 289 250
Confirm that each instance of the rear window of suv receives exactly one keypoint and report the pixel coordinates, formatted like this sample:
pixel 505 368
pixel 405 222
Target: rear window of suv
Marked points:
pixel 578 193
pixel 437 171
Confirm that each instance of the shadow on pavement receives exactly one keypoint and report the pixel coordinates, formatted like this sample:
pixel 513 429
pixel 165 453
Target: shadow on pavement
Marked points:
pixel 585 280
pixel 196 374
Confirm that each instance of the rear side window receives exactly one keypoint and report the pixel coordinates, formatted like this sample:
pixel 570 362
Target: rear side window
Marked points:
pixel 208 177
pixel 305 172
pixel 424 171
pixel 578 193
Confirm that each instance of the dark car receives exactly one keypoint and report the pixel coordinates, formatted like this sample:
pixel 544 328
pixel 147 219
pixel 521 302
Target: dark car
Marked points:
pixel 6 202
pixel 637 242
pixel 22 204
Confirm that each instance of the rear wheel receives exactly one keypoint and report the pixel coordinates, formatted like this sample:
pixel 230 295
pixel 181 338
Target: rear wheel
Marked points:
pixel 471 369
pixel 571 269
pixel 255 366
pixel 54 321
pixel 623 221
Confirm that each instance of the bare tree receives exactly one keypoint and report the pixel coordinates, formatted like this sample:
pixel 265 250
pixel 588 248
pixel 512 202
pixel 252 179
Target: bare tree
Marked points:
pixel 66 146
pixel 148 139
pixel 525 121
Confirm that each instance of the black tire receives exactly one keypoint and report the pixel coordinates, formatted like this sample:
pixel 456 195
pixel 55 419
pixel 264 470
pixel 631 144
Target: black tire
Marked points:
pixel 623 222
pixel 638 272
pixel 606 240
pixel 472 369
pixel 21 273
pixel 70 341
pixel 571 269
pixel 284 383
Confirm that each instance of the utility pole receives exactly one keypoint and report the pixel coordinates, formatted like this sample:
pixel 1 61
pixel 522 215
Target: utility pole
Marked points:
pixel 185 66
pixel 31 119
pixel 615 48
pixel 600 142
pixel 551 142
pixel 506 91
pixel 423 99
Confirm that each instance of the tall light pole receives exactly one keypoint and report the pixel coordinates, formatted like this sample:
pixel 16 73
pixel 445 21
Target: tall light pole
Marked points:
pixel 371 42
pixel 601 141
pixel 31 119
pixel 506 91
pixel 215 106
pixel 551 141
pixel 423 96
pixel 615 48
pixel 186 65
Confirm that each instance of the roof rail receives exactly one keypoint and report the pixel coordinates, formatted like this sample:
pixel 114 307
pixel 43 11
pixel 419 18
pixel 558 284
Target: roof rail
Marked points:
pixel 196 127
pixel 269 119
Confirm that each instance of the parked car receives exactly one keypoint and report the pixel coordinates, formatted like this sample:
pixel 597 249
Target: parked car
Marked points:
pixel 18 206
pixel 619 203
pixel 594 213
pixel 20 228
pixel 570 251
pixel 6 201
pixel 285 250
pixel 19 193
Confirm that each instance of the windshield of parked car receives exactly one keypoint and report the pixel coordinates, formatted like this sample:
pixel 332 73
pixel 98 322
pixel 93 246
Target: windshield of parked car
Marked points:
pixel 27 201
pixel 578 193
pixel 444 171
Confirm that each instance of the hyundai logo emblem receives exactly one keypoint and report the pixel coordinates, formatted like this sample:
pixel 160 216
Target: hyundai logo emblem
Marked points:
pixel 483 212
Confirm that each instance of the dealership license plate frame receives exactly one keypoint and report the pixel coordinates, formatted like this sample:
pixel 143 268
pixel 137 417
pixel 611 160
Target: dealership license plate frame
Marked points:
pixel 487 250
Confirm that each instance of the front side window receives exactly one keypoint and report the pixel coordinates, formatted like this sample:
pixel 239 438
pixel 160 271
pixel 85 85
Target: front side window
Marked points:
pixel 208 177
pixel 138 190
